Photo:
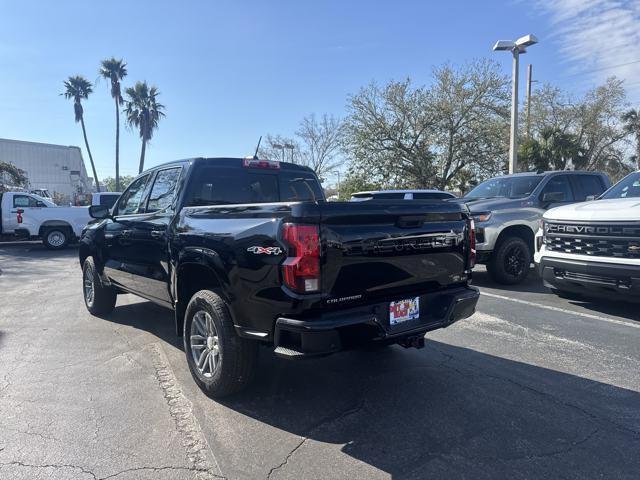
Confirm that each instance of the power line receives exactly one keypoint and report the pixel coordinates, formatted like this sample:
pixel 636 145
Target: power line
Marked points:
pixel 584 72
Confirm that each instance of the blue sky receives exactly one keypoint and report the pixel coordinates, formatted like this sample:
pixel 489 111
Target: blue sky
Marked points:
pixel 230 71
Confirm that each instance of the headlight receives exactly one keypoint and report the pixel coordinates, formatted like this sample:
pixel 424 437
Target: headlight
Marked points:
pixel 482 216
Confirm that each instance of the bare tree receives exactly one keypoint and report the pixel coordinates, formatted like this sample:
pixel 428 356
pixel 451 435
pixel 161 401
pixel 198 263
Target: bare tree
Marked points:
pixel 321 141
pixel 279 147
pixel 317 145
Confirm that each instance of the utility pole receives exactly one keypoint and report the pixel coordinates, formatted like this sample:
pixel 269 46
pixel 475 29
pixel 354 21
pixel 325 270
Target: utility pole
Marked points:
pixel 529 72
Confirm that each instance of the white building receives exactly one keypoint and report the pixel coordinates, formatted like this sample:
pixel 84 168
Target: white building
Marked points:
pixel 58 168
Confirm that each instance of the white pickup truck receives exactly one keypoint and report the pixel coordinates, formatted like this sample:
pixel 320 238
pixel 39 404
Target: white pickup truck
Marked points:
pixel 26 215
pixel 593 248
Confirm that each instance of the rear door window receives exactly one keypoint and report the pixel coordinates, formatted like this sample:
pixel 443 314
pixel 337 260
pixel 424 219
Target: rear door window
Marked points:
pixel 559 184
pixel 585 185
pixel 22 201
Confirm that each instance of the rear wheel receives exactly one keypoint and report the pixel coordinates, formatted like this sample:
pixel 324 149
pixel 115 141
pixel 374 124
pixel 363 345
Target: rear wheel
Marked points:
pixel 221 362
pixel 56 238
pixel 98 298
pixel 510 262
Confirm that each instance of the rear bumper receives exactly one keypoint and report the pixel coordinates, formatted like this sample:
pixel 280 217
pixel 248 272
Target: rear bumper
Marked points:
pixel 345 329
pixel 591 278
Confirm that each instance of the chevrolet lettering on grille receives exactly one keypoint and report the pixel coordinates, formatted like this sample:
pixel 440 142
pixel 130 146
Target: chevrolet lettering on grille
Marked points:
pixel 613 230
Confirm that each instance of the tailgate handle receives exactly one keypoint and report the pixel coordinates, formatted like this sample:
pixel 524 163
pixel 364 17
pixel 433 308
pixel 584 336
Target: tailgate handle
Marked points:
pixel 410 221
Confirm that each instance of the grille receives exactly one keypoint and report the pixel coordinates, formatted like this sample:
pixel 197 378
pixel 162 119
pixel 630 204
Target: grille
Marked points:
pixel 617 241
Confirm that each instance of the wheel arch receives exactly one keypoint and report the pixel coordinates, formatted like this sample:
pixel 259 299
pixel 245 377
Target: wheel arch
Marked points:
pixel 197 270
pixel 523 231
pixel 62 224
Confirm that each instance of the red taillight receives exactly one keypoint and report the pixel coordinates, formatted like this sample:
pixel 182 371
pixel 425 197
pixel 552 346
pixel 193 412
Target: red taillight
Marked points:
pixel 20 212
pixel 301 269
pixel 252 162
pixel 472 243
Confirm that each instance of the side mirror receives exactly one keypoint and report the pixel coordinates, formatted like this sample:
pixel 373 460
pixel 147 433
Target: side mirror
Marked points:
pixel 99 211
pixel 590 198
pixel 553 197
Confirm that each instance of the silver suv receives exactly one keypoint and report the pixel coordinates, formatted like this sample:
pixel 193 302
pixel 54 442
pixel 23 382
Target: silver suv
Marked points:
pixel 507 211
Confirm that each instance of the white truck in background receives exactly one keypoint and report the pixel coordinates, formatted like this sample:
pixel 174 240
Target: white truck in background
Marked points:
pixel 25 215
pixel 592 249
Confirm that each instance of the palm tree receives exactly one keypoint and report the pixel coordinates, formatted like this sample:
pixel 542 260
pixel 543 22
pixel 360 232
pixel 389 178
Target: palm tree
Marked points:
pixel 114 71
pixel 143 113
pixel 631 121
pixel 79 88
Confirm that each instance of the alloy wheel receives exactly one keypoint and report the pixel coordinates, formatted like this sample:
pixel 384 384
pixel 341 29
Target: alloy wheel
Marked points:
pixel 205 348
pixel 515 261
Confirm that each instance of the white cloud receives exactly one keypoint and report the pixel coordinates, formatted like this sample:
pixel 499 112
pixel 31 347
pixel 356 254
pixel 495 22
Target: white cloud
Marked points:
pixel 598 38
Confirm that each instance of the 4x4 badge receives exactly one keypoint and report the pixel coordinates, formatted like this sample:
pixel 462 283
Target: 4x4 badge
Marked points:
pixel 265 250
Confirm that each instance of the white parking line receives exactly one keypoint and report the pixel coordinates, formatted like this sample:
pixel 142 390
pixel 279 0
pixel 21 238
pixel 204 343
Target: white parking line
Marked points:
pixel 563 310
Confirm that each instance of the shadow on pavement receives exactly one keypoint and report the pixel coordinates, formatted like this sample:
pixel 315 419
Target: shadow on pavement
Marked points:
pixel 532 284
pixel 449 412
pixel 441 412
pixel 147 316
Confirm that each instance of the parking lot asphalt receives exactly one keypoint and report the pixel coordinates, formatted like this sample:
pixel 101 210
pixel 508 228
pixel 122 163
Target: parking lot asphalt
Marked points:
pixel 532 386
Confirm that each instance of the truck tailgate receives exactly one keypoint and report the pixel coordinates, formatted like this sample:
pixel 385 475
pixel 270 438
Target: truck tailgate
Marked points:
pixel 382 249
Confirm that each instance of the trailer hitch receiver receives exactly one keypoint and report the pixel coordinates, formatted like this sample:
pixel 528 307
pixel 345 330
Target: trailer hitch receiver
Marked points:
pixel 416 341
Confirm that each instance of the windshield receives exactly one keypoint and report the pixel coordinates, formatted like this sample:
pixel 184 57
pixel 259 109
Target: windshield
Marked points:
pixel 509 187
pixel 628 187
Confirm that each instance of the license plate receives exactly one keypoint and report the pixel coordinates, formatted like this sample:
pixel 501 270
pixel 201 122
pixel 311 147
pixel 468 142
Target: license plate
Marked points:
pixel 404 310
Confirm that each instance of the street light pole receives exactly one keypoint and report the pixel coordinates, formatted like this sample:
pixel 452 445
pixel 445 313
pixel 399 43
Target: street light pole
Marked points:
pixel 516 48
pixel 529 80
pixel 278 146
pixel 513 144
pixel 291 147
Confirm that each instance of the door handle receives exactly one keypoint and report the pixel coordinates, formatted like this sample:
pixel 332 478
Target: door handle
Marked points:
pixel 157 234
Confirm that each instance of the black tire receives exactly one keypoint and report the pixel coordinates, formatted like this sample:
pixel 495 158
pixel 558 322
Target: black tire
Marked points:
pixel 56 238
pixel 103 299
pixel 510 262
pixel 228 361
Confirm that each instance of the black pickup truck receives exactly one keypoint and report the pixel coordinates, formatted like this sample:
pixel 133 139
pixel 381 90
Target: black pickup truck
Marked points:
pixel 247 251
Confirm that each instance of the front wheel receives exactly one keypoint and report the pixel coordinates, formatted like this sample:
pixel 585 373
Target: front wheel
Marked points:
pixel 510 262
pixel 221 362
pixel 56 238
pixel 98 298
